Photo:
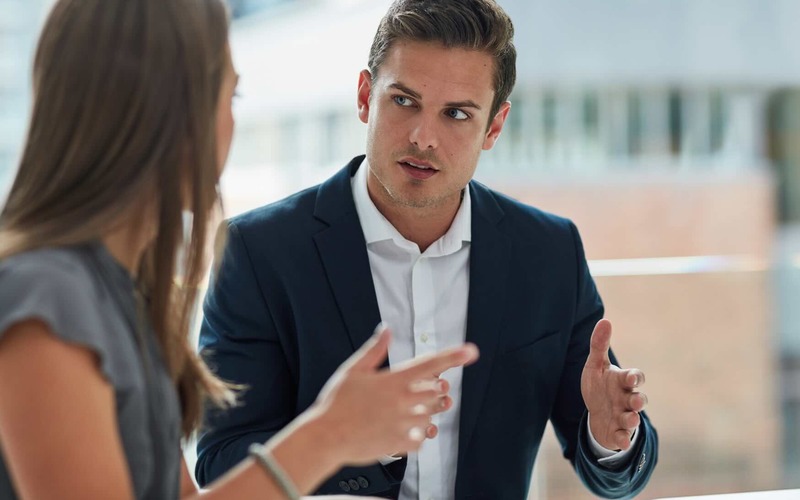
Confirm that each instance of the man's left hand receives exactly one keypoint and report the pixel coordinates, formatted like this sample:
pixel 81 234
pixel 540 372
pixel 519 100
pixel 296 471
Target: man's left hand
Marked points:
pixel 610 393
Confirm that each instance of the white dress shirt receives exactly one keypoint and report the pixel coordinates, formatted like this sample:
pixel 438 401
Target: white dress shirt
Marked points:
pixel 422 296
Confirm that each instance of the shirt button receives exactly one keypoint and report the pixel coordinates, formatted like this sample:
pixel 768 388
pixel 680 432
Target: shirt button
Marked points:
pixel 424 338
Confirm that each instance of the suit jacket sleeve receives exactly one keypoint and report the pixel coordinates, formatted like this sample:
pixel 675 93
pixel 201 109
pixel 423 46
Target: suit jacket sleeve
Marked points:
pixel 243 344
pixel 569 414
pixel 239 340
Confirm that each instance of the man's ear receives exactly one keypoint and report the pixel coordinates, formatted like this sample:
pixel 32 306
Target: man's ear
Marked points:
pixel 496 126
pixel 364 91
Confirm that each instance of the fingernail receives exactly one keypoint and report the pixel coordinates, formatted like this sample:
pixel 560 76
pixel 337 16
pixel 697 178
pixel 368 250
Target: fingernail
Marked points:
pixel 440 385
pixel 443 404
pixel 431 432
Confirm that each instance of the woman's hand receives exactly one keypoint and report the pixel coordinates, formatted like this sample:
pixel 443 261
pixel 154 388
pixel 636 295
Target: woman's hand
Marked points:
pixel 370 412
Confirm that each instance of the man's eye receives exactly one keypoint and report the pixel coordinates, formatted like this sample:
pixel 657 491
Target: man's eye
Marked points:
pixel 457 114
pixel 403 101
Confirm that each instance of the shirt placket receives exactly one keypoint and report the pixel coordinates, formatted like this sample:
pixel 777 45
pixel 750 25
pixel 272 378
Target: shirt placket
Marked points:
pixel 425 342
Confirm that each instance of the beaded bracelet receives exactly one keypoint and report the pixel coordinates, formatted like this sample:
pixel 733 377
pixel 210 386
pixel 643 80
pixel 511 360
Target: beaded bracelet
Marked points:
pixel 268 463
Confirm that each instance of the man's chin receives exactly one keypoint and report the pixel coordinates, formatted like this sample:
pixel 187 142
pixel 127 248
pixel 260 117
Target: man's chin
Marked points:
pixel 418 202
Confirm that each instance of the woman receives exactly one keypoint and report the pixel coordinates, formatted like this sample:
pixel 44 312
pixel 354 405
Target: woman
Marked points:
pixel 131 126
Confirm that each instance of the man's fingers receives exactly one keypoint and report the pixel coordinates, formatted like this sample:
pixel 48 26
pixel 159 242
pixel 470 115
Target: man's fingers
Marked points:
pixel 372 354
pixel 637 401
pixel 422 368
pixel 623 439
pixel 600 344
pixel 629 420
pixel 632 378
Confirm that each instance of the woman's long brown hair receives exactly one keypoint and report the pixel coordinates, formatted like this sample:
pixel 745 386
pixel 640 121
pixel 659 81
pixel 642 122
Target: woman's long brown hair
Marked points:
pixel 125 99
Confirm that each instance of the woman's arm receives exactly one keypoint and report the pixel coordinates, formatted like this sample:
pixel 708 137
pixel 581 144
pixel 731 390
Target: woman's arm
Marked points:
pixel 60 438
pixel 188 488
pixel 59 432
pixel 58 427
pixel 362 413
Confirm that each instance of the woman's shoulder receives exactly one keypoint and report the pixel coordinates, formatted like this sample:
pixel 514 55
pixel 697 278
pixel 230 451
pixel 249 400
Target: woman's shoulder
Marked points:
pixel 56 265
pixel 56 285
pixel 61 288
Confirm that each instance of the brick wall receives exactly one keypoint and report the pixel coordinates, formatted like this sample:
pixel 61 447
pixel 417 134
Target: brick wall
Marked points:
pixel 704 339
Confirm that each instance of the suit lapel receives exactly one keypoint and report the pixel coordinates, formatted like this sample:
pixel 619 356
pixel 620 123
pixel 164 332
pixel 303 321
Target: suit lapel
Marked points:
pixel 490 254
pixel 343 252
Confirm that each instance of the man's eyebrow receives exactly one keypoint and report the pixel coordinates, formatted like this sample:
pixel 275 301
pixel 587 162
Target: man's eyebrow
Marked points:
pixel 463 104
pixel 399 86
pixel 416 95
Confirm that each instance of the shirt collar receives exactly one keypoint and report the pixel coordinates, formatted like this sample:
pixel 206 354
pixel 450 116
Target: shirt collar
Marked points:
pixel 377 228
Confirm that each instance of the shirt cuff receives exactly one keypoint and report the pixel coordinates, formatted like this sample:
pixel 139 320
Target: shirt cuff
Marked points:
pixel 606 457
pixel 388 459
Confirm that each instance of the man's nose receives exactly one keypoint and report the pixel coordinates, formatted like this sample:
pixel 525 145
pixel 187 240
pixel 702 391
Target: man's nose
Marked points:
pixel 424 134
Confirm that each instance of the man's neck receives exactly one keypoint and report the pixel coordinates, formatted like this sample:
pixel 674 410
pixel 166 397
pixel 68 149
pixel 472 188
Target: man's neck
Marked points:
pixel 422 226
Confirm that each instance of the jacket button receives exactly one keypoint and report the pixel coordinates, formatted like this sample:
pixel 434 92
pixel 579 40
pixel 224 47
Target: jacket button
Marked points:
pixel 354 485
pixel 363 482
pixel 344 486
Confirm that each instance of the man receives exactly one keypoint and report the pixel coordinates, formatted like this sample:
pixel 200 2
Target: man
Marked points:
pixel 405 236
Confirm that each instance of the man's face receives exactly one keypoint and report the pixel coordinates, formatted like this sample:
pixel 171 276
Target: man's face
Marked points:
pixel 427 114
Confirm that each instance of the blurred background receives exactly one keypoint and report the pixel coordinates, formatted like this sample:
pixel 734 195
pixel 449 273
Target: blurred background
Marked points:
pixel 668 130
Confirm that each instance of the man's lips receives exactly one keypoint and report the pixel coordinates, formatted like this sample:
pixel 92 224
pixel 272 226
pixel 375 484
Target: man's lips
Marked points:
pixel 417 163
pixel 417 169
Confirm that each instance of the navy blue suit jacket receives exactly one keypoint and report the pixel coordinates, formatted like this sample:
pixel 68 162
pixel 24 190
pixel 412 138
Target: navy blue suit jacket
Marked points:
pixel 293 298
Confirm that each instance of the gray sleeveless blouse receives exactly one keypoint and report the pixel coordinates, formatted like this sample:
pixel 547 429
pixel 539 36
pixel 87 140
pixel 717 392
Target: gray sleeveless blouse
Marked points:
pixel 87 298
